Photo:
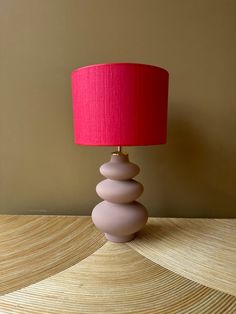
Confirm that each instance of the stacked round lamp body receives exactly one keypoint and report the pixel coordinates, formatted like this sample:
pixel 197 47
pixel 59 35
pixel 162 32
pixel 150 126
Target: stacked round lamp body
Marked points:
pixel 119 216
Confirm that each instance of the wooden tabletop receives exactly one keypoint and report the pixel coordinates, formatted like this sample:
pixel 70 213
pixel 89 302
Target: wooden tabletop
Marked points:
pixel 58 264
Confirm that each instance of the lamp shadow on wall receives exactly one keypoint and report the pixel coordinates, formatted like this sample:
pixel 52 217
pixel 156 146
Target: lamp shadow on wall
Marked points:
pixel 187 175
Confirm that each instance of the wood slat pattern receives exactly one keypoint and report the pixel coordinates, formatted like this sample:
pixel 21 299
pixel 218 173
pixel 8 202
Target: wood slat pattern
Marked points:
pixel 116 279
pixel 203 250
pixel 56 264
pixel 35 247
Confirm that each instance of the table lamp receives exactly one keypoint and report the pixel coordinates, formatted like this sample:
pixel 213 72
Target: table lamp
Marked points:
pixel 119 104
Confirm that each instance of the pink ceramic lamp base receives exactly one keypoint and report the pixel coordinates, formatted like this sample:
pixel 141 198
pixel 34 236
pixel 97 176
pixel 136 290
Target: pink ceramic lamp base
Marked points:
pixel 119 216
pixel 119 239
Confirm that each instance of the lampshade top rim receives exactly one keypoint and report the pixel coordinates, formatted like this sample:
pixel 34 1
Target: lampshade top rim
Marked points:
pixel 119 63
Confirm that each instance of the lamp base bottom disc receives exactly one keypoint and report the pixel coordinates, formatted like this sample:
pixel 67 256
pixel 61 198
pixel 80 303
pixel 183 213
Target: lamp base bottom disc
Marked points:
pixel 119 239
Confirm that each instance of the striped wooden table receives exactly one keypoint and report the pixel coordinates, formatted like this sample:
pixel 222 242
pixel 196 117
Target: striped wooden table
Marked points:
pixel 58 264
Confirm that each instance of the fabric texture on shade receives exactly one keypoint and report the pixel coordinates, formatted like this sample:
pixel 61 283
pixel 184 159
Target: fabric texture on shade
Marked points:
pixel 120 104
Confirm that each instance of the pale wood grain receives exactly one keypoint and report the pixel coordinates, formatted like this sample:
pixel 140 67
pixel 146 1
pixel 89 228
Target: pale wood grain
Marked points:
pixel 35 247
pixel 116 278
pixel 203 250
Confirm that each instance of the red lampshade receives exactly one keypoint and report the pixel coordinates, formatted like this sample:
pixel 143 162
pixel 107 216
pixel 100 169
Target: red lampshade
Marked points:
pixel 122 104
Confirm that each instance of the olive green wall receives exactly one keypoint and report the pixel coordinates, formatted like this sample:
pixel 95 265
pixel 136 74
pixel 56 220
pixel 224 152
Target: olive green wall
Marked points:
pixel 41 41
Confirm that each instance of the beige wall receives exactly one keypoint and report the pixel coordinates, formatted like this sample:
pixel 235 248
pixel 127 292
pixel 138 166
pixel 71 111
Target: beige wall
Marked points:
pixel 41 41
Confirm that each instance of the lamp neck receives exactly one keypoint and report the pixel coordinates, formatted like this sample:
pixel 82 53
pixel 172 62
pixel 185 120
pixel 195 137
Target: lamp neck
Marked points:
pixel 120 152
